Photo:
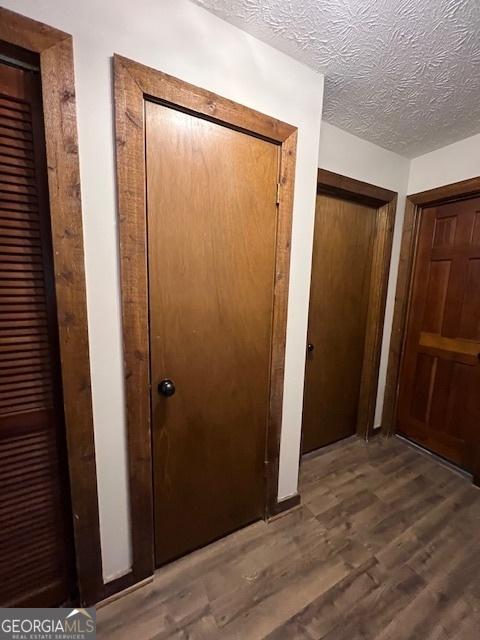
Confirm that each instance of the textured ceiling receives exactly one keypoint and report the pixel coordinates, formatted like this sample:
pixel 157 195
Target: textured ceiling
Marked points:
pixel 404 74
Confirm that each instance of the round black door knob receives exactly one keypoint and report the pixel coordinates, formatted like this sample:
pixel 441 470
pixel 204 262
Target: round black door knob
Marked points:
pixel 310 347
pixel 166 387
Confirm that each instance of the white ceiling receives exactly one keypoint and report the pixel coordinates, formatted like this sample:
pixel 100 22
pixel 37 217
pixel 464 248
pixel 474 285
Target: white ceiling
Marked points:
pixel 404 74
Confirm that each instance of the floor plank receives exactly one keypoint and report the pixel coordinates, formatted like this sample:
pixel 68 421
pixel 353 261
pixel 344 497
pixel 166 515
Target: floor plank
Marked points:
pixel 384 547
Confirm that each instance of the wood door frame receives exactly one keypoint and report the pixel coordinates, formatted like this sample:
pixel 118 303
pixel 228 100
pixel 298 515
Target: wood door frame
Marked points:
pixel 385 202
pixel 55 51
pixel 133 84
pixel 413 211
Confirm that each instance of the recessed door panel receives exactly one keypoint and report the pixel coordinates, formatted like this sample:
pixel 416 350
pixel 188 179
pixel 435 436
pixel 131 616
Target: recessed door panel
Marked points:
pixel 438 278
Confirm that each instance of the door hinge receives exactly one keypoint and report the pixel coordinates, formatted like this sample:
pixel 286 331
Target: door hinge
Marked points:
pixel 266 469
pixel 278 193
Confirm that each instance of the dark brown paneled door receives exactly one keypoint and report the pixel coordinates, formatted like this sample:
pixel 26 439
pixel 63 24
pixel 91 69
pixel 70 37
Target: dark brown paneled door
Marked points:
pixel 439 400
pixel 35 533
pixel 339 294
pixel 212 217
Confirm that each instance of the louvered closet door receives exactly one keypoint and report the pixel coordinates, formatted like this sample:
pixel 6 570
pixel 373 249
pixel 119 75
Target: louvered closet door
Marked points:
pixel 35 536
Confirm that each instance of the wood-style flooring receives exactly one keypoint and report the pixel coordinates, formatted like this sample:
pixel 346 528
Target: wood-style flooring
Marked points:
pixel 386 546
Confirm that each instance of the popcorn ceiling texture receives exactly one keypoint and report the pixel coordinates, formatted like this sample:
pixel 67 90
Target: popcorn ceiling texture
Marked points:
pixel 404 74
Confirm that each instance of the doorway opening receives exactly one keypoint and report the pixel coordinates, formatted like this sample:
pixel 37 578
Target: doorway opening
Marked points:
pixel 433 372
pixel 204 249
pixel 47 451
pixel 354 224
pixel 36 501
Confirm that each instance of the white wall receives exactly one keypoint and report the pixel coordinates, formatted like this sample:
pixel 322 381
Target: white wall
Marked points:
pixel 354 157
pixel 186 41
pixel 350 156
pixel 456 162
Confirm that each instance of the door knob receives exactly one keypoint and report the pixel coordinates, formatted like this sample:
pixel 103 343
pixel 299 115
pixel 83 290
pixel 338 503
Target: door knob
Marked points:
pixel 166 387
pixel 310 347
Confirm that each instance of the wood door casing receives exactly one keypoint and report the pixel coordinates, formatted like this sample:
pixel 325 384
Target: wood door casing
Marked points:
pixel 134 84
pixel 36 546
pixel 339 296
pixel 212 218
pixel 439 399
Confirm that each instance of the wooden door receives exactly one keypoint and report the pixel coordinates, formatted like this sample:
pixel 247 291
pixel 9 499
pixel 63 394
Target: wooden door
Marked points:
pixel 439 397
pixel 211 201
pixel 339 294
pixel 35 531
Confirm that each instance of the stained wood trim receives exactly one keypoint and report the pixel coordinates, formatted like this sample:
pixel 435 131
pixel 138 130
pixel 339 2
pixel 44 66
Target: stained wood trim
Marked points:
pixel 160 86
pixel 407 251
pixel 457 346
pixel 27 33
pixel 118 585
pixel 130 152
pixel 288 151
pixel 440 195
pixel 385 201
pixel 285 505
pixel 414 204
pixel 382 252
pixel 58 87
pixel 119 588
pixel 133 84
pixel 335 184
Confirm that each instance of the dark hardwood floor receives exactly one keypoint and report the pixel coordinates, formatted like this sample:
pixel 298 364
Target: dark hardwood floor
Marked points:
pixel 386 546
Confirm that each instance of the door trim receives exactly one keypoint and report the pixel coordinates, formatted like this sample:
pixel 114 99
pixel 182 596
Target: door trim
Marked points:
pixel 385 202
pixel 55 51
pixel 134 83
pixel 413 211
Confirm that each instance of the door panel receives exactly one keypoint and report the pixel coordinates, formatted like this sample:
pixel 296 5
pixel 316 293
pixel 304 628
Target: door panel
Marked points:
pixel 438 278
pixel 470 314
pixel 439 402
pixel 36 547
pixel 211 201
pixel 341 269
